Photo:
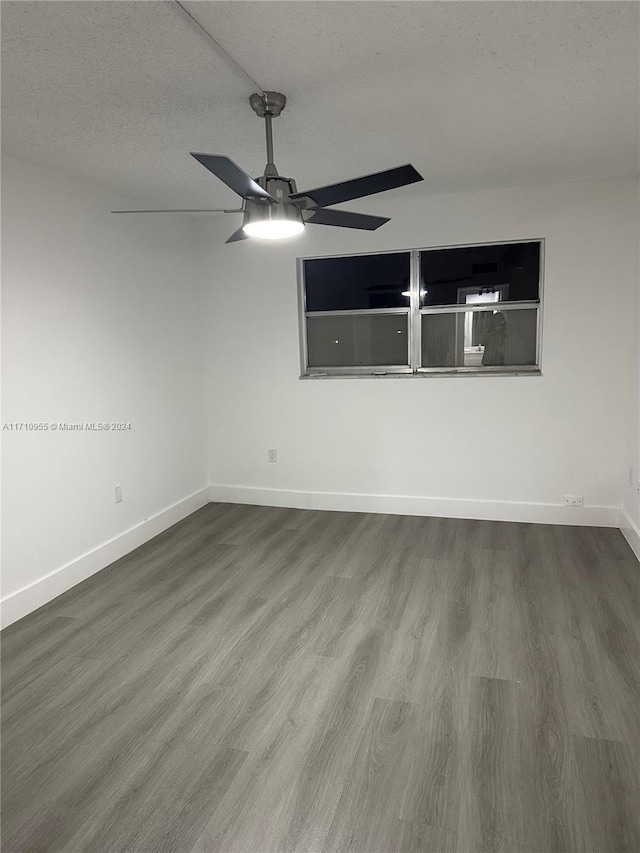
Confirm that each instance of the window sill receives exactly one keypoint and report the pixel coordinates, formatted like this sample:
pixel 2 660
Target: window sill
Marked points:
pixel 535 371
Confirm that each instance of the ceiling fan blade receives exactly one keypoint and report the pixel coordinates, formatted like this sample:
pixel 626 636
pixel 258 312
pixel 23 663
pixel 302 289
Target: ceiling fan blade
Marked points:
pixel 237 235
pixel 345 219
pixel 379 182
pixel 233 176
pixel 183 210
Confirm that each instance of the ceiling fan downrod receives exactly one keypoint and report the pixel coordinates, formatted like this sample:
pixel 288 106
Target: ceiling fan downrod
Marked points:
pixel 268 105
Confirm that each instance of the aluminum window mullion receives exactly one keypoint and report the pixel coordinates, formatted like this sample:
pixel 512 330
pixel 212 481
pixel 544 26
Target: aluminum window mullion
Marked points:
pixel 302 317
pixel 415 324
pixel 362 368
pixel 357 312
pixel 541 261
pixel 491 306
pixel 425 249
pixel 500 369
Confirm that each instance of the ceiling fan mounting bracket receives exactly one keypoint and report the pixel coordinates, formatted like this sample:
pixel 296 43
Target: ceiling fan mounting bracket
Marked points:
pixel 268 103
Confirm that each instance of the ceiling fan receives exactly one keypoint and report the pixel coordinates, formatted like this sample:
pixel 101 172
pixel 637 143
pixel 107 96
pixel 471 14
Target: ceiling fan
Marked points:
pixel 272 206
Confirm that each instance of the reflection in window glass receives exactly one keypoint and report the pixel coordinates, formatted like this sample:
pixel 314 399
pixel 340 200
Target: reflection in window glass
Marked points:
pixel 480 338
pixel 357 283
pixel 357 340
pixel 448 276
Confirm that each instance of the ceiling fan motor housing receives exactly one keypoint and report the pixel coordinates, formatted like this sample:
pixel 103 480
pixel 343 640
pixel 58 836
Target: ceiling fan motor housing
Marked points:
pixel 277 186
pixel 256 211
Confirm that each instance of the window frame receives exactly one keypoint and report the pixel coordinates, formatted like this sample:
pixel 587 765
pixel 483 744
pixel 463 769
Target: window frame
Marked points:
pixel 414 314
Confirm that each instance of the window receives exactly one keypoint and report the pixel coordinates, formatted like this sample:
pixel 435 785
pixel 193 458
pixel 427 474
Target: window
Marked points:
pixel 466 309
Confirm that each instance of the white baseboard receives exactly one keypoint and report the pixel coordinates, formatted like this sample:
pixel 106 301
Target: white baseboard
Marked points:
pixel 30 597
pixel 630 531
pixel 538 513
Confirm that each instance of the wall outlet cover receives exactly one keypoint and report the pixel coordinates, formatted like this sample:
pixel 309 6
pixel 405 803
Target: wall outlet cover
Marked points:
pixel 573 500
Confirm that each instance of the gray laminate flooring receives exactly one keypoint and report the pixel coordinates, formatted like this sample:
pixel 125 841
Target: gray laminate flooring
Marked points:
pixel 265 679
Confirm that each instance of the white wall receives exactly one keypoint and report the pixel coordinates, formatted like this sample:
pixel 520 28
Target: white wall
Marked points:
pixel 630 514
pixel 103 320
pixel 100 320
pixel 425 440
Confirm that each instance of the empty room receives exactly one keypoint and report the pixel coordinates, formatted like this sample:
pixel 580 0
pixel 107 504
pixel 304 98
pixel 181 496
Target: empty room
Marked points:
pixel 320 427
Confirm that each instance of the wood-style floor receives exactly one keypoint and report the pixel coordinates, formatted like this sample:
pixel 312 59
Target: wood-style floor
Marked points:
pixel 262 679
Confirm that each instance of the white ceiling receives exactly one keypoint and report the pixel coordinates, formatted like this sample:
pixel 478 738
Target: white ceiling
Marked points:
pixel 474 94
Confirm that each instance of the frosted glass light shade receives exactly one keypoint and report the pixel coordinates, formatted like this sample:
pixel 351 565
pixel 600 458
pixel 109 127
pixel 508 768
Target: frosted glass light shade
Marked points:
pixel 273 229
pixel 272 221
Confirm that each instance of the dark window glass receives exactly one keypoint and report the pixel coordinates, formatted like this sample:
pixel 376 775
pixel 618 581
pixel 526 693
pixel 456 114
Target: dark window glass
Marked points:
pixel 349 284
pixel 480 338
pixel 357 340
pixel 449 276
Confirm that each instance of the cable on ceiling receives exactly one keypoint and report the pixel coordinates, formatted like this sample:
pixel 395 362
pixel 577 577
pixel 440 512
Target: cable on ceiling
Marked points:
pixel 187 16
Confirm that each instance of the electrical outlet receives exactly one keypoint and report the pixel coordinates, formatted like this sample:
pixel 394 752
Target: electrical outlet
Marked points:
pixel 573 500
pixel 119 497
pixel 272 455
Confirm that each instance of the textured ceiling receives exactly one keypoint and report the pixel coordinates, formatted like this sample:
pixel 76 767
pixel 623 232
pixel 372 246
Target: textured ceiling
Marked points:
pixel 475 94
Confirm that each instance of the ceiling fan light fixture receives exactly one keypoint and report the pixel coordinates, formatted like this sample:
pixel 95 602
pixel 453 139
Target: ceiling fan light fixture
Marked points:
pixel 273 229
pixel 272 221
